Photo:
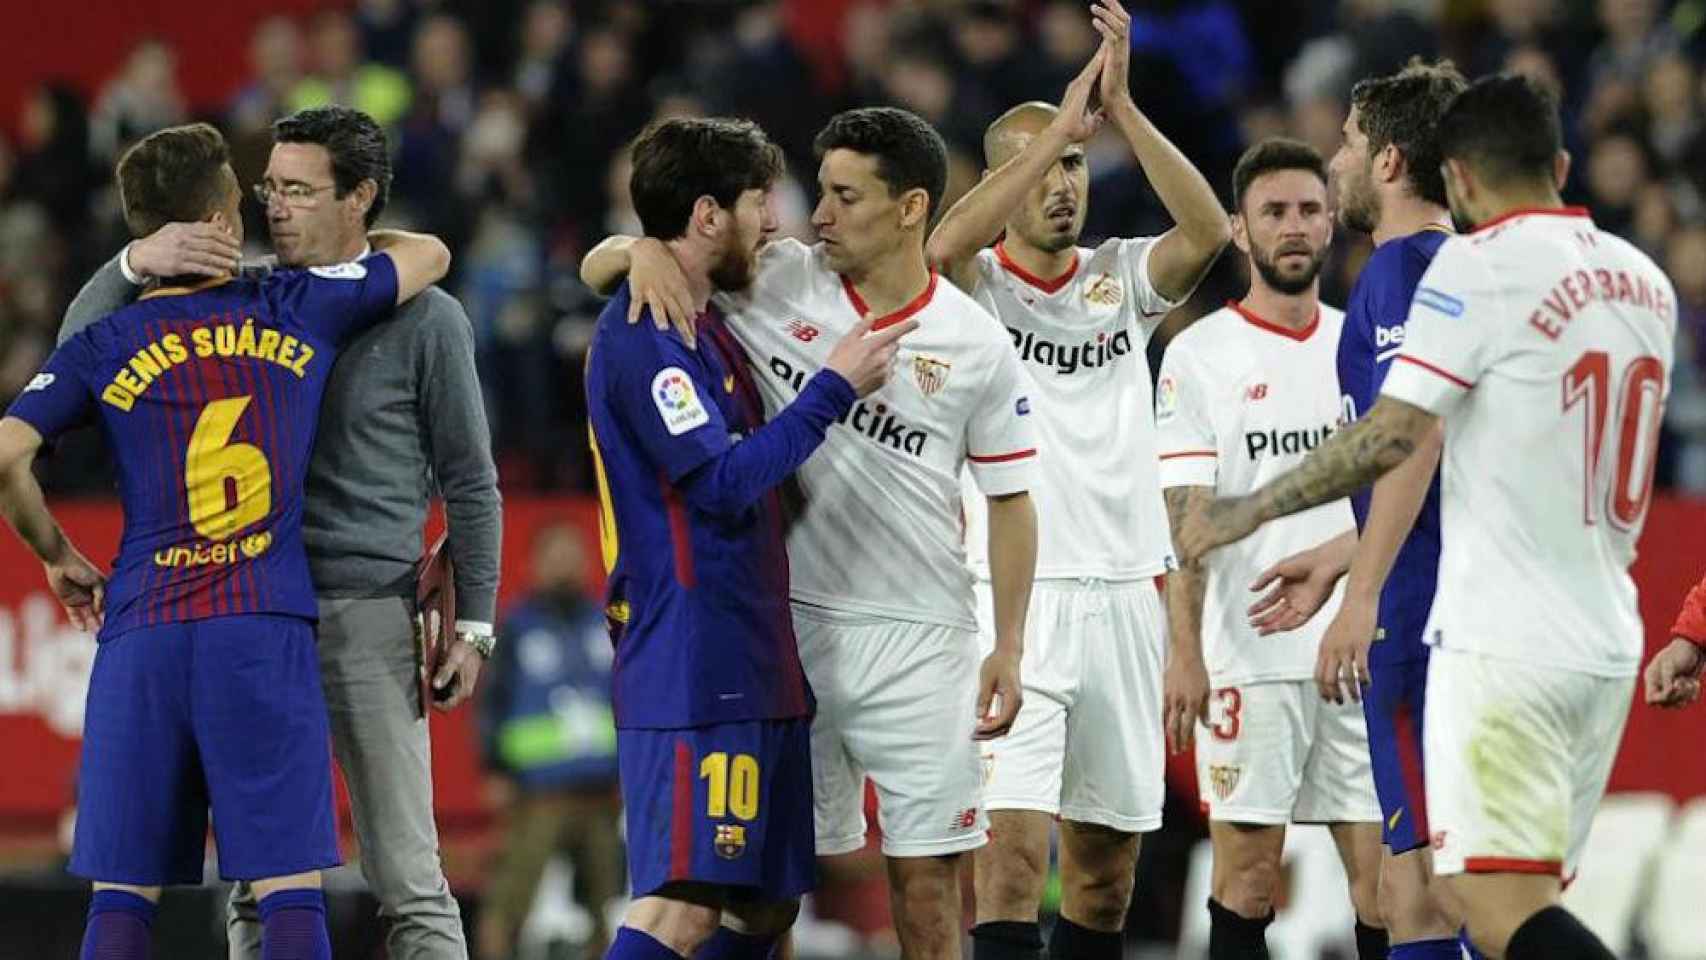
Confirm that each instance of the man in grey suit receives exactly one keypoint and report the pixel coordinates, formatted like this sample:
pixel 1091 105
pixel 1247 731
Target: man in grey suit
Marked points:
pixel 402 416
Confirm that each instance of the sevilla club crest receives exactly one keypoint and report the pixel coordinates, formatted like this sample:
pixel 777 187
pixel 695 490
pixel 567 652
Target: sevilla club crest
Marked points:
pixel 931 374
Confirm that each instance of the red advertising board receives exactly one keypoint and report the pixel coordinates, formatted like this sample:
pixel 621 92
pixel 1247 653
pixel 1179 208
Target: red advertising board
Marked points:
pixel 44 666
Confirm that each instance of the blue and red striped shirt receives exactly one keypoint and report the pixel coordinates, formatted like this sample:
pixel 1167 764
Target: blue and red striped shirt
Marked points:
pixel 692 523
pixel 209 397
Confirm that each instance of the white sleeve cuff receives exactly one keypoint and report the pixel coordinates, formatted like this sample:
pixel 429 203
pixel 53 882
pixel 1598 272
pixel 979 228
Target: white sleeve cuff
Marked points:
pixel 478 628
pixel 124 267
pixel 1189 468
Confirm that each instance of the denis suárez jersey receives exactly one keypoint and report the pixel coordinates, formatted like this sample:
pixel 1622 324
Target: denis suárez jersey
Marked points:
pixel 876 511
pixel 1545 343
pixel 1240 402
pixel 1082 337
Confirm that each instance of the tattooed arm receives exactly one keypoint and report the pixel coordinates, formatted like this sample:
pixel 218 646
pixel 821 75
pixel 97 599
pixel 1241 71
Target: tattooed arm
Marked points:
pixel 1185 686
pixel 1350 460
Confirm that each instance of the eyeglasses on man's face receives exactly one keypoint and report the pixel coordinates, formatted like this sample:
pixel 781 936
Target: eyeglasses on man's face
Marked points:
pixel 292 194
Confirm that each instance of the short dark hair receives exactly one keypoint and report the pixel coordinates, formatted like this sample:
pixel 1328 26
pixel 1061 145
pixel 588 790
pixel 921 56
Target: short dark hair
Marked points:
pixel 356 143
pixel 1403 110
pixel 677 161
pixel 1505 127
pixel 173 175
pixel 1270 156
pixel 910 153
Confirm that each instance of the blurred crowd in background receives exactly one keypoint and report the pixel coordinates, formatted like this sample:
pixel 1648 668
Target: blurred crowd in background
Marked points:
pixel 508 120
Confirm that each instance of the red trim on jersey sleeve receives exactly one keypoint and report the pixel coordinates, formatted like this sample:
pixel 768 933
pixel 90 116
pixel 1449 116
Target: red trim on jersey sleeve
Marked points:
pixel 681 815
pixel 1454 378
pixel 1511 865
pixel 1189 453
pixel 1002 457
pixel 1691 620
pixel 1271 327
pixel 890 319
pixel 680 536
pixel 1046 286
pixel 1533 211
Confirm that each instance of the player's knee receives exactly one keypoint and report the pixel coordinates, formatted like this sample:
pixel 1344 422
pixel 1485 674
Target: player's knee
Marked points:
pixel 1098 892
pixel 1010 878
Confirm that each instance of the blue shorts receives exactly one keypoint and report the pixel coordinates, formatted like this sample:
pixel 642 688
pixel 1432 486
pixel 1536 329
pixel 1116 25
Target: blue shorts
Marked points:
pixel 729 804
pixel 1393 704
pixel 225 713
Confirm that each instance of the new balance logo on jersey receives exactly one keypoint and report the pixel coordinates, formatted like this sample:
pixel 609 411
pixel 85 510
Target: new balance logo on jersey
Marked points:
pixel 1071 358
pixel 870 419
pixel 964 820
pixel 1271 442
pixel 801 330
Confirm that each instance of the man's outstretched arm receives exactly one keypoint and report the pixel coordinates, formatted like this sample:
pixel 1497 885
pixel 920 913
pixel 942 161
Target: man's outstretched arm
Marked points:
pixel 1350 460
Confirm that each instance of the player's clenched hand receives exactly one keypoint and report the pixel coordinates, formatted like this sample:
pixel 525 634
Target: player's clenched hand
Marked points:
pixel 1223 521
pixel 1341 664
pixel 1184 700
pixel 655 280
pixel 1077 121
pixel 866 359
pixel 458 674
pixel 80 587
pixel 1673 677
pixel 186 250
pixel 998 695
pixel 1114 24
pixel 1304 582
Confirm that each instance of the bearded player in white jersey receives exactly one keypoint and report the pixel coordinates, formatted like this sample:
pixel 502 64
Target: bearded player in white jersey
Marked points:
pixel 1245 393
pixel 1545 344
pixel 882 595
pixel 1088 746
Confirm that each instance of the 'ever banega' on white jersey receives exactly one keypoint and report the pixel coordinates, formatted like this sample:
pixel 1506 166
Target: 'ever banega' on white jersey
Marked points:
pixel 1081 337
pixel 1546 344
pixel 876 523
pixel 1242 401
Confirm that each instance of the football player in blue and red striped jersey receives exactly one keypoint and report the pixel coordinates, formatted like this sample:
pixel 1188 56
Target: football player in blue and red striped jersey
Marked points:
pixel 713 710
pixel 206 689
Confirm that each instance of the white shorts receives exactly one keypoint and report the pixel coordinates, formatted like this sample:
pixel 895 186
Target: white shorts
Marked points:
pixel 1087 744
pixel 896 702
pixel 1274 753
pixel 1517 757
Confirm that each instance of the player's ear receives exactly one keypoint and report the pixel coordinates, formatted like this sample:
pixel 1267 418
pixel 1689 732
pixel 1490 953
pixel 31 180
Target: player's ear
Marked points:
pixel 914 207
pixel 1240 233
pixel 1561 168
pixel 706 216
pixel 1390 163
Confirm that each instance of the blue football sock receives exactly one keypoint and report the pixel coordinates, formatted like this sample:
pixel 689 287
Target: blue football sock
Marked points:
pixel 728 944
pixel 120 927
pixel 631 944
pixel 293 926
pixel 1442 949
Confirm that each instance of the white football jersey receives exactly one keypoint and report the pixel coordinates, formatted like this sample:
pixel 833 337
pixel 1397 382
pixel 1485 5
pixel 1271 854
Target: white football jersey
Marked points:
pixel 1241 401
pixel 876 520
pixel 1081 337
pixel 1545 343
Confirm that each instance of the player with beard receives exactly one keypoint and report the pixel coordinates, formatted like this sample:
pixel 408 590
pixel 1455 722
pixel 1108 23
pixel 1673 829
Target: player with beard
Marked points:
pixel 1088 748
pixel 713 711
pixel 1388 184
pixel 1244 394
pixel 882 596
pixel 1545 343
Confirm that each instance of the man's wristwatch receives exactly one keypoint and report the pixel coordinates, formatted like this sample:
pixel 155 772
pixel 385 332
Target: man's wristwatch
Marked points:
pixel 477 635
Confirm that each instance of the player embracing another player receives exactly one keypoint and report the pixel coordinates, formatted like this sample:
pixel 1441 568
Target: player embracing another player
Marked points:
pixel 1545 345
